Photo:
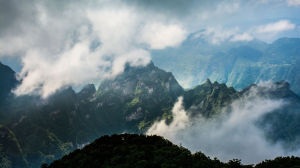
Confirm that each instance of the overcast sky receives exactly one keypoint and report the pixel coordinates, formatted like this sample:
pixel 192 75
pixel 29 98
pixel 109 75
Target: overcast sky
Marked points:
pixel 49 41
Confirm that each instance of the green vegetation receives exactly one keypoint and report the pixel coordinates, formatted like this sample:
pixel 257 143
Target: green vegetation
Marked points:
pixel 280 162
pixel 134 102
pixel 141 151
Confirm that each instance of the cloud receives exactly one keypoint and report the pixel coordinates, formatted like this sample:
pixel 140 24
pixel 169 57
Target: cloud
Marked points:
pixel 159 36
pixel 217 35
pixel 172 7
pixel 179 123
pixel 282 25
pixel 74 44
pixel 242 37
pixel 229 135
pixel 293 2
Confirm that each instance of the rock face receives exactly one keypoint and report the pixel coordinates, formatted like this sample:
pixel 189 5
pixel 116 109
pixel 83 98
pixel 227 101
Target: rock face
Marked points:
pixel 209 98
pixel 237 64
pixel 138 96
pixel 7 81
pixel 11 154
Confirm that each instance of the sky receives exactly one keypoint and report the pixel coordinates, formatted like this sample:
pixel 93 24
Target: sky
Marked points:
pixel 57 43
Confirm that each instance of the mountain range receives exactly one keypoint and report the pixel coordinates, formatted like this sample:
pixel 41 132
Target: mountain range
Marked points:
pixel 35 130
pixel 237 64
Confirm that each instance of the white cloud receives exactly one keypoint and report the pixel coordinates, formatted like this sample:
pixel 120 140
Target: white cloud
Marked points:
pixel 293 2
pixel 179 123
pixel 217 35
pixel 81 43
pixel 227 136
pixel 227 8
pixel 242 37
pixel 282 25
pixel 159 36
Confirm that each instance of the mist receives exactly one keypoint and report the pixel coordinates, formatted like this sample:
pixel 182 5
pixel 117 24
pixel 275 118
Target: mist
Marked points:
pixel 228 135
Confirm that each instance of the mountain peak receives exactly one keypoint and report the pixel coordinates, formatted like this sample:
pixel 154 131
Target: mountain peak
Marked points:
pixel 8 81
pixel 144 92
pixel 282 84
pixel 147 77
pixel 207 82
pixel 150 65
pixel 275 90
pixel 87 91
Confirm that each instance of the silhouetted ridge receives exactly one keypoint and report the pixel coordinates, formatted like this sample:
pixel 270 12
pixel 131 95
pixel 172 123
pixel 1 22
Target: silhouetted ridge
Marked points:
pixel 133 151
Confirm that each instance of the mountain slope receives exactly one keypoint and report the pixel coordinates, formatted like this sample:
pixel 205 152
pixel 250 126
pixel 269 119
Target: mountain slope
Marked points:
pixel 11 154
pixel 8 81
pixel 138 96
pixel 48 128
pixel 209 98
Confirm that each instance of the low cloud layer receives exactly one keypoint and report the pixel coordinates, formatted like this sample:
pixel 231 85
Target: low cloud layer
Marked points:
pixel 228 136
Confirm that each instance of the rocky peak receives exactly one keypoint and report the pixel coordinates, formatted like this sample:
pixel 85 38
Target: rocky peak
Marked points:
pixel 8 81
pixel 274 90
pixel 142 80
pixel 87 91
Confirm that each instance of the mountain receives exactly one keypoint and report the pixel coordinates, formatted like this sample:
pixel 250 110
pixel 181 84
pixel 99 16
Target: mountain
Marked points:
pixel 238 64
pixel 138 97
pixel 285 127
pixel 8 81
pixel 11 154
pixel 46 129
pixel 281 125
pixel 209 98
pixel 131 150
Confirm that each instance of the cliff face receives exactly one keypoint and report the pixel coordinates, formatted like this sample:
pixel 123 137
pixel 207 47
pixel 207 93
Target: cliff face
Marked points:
pixel 8 81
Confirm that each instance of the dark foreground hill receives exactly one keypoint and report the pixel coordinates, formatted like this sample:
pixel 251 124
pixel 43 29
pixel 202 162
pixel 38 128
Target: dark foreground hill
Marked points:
pixel 141 151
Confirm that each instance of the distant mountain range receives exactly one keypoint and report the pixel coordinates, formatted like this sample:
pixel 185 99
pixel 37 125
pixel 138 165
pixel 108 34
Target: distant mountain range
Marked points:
pixel 35 131
pixel 236 64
